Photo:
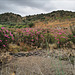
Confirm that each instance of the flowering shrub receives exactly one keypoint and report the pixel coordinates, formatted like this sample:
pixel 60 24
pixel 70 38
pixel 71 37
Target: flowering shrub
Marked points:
pixel 72 35
pixel 5 37
pixel 61 36
pixel 41 36
pixel 30 36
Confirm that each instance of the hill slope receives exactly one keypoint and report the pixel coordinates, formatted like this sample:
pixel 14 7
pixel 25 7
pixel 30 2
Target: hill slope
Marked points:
pixel 9 18
pixel 56 18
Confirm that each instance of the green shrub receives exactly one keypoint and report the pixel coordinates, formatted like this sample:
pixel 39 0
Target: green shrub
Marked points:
pixel 72 28
pixel 72 36
pixel 31 24
pixel 5 37
pixel 1 26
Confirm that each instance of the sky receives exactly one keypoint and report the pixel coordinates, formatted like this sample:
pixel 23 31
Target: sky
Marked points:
pixel 31 7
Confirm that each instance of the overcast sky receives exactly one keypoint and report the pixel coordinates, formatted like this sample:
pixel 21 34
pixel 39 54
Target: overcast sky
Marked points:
pixel 30 7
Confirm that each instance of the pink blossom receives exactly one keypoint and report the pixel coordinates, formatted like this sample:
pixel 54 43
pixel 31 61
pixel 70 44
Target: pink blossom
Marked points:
pixel 12 38
pixel 4 46
pixel 5 40
pixel 60 33
pixel 0 40
pixel 7 31
pixel 57 39
pixel 37 38
pixel 63 37
pixel 6 35
pixel 32 39
pixel 2 27
pixel 4 32
pixel 41 35
pixel 58 42
pixel 73 36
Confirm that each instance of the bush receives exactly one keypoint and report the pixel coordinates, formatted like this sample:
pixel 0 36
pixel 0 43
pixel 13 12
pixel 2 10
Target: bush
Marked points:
pixel 5 37
pixel 29 36
pixel 41 37
pixel 25 26
pixel 1 26
pixel 72 28
pixel 61 37
pixel 72 36
pixel 31 25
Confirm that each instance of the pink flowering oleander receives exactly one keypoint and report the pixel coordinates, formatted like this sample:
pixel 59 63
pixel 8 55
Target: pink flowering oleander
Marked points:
pixel 5 37
pixel 0 40
pixel 37 35
pixel 2 27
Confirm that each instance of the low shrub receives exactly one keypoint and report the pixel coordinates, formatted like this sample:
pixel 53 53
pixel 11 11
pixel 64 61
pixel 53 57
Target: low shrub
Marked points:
pixel 72 36
pixel 31 25
pixel 5 37
pixel 61 37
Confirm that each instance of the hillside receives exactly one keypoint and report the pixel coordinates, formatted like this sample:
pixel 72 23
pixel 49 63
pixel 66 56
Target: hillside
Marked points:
pixel 10 18
pixel 60 14
pixel 58 18
pixel 55 18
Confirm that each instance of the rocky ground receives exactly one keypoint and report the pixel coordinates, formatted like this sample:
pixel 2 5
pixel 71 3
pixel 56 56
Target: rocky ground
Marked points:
pixel 39 62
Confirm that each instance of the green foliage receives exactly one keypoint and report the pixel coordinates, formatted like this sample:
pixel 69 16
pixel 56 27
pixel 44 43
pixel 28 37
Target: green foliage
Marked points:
pixel 5 37
pixel 73 29
pixel 1 26
pixel 31 25
pixel 58 18
pixel 72 36
pixel 52 39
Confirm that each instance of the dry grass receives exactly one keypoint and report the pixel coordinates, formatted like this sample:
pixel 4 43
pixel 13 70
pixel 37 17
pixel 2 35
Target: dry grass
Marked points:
pixel 56 23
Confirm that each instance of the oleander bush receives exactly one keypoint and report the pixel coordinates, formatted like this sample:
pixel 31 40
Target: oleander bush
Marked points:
pixel 5 37
pixel 61 37
pixel 72 35
pixel 40 37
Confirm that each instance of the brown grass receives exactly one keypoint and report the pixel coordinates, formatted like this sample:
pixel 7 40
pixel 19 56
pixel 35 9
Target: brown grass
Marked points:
pixel 56 23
